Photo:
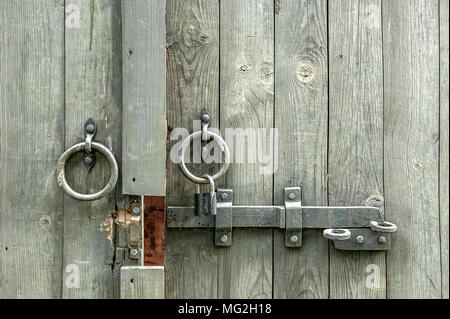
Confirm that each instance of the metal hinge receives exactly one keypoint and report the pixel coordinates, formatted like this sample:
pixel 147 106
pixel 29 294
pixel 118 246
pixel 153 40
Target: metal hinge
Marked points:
pixel 350 228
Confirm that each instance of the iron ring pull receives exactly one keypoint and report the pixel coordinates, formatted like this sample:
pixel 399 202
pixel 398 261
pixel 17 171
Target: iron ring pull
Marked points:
pixel 223 145
pixel 61 174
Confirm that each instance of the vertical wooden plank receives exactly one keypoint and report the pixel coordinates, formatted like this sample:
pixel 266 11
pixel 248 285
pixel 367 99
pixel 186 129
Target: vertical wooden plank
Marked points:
pixel 246 101
pixel 31 141
pixel 301 103
pixel 140 282
pixel 93 89
pixel 192 85
pixel 411 146
pixel 144 97
pixel 443 151
pixel 355 155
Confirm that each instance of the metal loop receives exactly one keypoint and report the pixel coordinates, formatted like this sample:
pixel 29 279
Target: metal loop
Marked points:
pixel 384 227
pixel 88 143
pixel 223 169
pixel 61 174
pixel 211 183
pixel 337 234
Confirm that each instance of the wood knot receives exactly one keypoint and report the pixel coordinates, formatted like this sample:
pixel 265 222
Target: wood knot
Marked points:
pixel 45 220
pixel 305 73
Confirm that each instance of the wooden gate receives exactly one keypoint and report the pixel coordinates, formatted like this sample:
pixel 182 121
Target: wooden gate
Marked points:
pixel 356 90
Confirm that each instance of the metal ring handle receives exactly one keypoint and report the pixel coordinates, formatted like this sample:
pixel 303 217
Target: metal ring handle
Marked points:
pixel 337 234
pixel 62 181
pixel 223 169
pixel 385 227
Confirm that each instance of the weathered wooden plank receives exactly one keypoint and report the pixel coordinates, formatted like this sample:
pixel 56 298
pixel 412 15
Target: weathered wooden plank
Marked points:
pixel 144 96
pixel 443 150
pixel 93 89
pixel 246 101
pixel 31 141
pixel 301 102
pixel 411 146
pixel 192 85
pixel 355 154
pixel 142 282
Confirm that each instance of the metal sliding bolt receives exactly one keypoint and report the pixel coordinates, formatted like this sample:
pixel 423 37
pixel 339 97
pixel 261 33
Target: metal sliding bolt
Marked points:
pixel 294 238
pixel 360 239
pixel 224 238
pixel 382 240
pixel 291 195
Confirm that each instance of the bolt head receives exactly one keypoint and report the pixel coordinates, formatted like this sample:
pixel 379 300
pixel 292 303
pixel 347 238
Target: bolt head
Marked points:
pixel 382 240
pixel 88 160
pixel 205 117
pixel 224 195
pixel 136 210
pixel 224 238
pixel 134 252
pixel 90 128
pixel 291 196
pixel 360 239
pixel 294 238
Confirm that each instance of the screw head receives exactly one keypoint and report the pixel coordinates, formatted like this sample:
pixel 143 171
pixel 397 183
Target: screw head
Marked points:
pixel 205 118
pixel 224 238
pixel 88 160
pixel 291 195
pixel 360 239
pixel 134 252
pixel 90 128
pixel 382 240
pixel 224 195
pixel 136 210
pixel 294 238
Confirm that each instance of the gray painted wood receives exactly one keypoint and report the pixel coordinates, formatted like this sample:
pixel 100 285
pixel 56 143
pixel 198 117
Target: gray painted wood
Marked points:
pixel 144 95
pixel 246 101
pixel 93 89
pixel 31 141
pixel 411 151
pixel 192 85
pixel 301 103
pixel 141 282
pixel 444 146
pixel 355 153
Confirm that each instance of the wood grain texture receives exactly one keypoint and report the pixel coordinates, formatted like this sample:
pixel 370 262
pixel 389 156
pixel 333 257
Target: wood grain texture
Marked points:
pixel 301 102
pixel 355 154
pixel 144 97
pixel 31 141
pixel 142 282
pixel 246 101
pixel 93 89
pixel 444 145
pixel 411 146
pixel 192 85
